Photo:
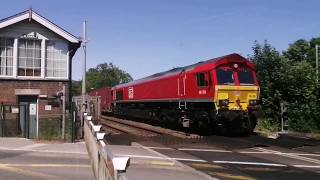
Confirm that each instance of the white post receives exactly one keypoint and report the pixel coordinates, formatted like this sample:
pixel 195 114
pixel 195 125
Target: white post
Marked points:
pixel 15 58
pixel 43 58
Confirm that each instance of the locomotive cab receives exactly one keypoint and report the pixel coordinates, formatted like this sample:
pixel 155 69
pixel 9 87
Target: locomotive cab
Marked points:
pixel 236 95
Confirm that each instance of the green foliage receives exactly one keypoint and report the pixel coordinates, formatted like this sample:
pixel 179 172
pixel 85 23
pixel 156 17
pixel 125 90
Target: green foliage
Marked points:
pixel 267 125
pixel 289 78
pixel 106 75
pixel 76 88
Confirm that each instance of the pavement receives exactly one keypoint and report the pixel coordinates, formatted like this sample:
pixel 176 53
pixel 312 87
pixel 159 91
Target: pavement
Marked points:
pixel 22 158
pixel 27 159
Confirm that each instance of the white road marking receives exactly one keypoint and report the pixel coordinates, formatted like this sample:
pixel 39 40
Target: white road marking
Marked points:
pixel 250 163
pixel 43 151
pixel 192 160
pixel 32 146
pixel 227 151
pixel 267 152
pixel 162 158
pixel 253 152
pixel 188 168
pixel 306 166
pixel 304 154
pixel 316 161
pixel 164 148
pixel 205 150
pixel 141 156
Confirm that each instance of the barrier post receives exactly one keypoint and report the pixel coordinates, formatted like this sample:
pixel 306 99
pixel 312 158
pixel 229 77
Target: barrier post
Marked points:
pixel 104 165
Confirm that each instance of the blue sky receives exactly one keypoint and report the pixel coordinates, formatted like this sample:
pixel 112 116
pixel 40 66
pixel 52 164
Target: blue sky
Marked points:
pixel 144 37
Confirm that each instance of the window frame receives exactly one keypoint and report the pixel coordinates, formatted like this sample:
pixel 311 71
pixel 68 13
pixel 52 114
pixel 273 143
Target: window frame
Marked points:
pixel 25 67
pixel 119 95
pixel 247 70
pixel 227 70
pixel 205 79
pixel 55 61
pixel 7 67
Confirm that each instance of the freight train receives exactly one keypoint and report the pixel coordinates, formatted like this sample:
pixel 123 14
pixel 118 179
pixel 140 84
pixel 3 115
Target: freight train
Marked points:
pixel 219 94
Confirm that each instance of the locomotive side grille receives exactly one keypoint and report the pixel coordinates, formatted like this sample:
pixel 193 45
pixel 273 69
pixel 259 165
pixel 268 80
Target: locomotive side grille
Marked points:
pixel 237 96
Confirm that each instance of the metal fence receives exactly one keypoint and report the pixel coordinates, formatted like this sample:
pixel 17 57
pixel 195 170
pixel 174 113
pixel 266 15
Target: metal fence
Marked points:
pixel 105 165
pixel 10 123
pixel 92 105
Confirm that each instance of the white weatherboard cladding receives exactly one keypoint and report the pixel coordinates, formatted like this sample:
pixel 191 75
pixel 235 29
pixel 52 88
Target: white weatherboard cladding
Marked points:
pixel 23 28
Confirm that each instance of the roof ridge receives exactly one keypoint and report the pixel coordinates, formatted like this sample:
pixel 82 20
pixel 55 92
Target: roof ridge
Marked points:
pixel 46 23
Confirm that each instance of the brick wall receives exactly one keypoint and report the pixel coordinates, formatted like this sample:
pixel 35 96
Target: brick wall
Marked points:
pixel 49 121
pixel 49 88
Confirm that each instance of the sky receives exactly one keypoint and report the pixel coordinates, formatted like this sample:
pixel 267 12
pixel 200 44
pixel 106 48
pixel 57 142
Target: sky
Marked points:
pixel 144 37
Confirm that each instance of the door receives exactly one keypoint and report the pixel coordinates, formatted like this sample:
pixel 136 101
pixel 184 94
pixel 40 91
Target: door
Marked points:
pixel 182 84
pixel 28 116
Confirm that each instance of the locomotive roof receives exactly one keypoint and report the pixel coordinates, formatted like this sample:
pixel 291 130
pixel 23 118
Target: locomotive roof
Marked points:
pixel 181 69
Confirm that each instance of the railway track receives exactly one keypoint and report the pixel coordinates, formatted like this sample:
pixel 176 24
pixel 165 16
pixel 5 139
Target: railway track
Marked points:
pixel 115 124
pixel 142 129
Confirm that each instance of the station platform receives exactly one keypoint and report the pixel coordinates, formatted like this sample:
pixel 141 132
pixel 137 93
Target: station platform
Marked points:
pixel 27 159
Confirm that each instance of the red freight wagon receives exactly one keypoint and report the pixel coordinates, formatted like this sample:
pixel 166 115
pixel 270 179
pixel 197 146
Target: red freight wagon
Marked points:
pixel 106 98
pixel 221 91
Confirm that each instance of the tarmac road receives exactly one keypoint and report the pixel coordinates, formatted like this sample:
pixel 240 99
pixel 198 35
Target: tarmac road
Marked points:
pixel 252 157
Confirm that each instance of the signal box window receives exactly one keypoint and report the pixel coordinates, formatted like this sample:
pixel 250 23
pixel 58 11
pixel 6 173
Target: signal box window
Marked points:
pixel 6 56
pixel 29 57
pixel 202 80
pixel 225 76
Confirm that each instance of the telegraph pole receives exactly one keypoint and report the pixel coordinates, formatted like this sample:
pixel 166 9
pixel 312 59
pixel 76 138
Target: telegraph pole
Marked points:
pixel 84 46
pixel 317 63
pixel 84 64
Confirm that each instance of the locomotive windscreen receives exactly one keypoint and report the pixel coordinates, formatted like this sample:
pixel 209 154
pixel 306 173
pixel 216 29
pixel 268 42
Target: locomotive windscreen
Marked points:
pixel 245 77
pixel 225 76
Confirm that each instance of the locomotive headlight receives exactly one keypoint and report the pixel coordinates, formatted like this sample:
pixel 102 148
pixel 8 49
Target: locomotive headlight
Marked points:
pixel 224 102
pixel 252 102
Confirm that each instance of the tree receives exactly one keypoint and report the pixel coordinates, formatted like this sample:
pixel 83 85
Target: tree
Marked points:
pixel 270 68
pixel 290 78
pixel 298 51
pixel 76 88
pixel 106 75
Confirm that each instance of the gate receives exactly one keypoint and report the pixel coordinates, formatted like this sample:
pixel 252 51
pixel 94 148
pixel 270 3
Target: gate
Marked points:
pixel 11 121
pixel 91 106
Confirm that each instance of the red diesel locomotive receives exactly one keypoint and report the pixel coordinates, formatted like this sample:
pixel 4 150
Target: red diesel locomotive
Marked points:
pixel 217 94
